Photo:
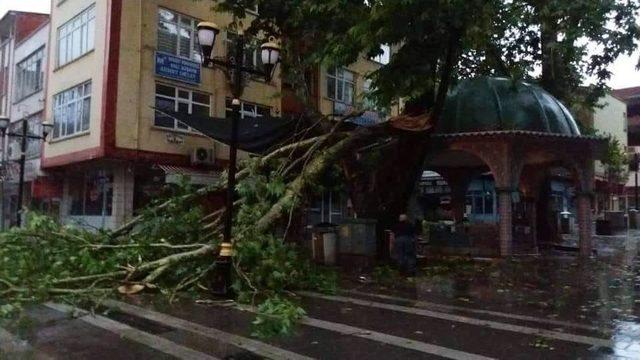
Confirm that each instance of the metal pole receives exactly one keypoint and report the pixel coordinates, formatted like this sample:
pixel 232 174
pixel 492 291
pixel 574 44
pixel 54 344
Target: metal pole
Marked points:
pixel 222 284
pixel 4 178
pixel 103 184
pixel 23 159
pixel 635 189
pixel 233 144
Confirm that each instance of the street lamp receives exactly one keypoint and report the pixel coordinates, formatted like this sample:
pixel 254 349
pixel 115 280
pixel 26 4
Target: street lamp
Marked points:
pixel 46 130
pixel 24 136
pixel 234 66
pixel 4 124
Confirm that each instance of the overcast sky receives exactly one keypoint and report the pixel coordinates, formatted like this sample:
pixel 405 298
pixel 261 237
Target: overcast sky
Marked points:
pixel 624 72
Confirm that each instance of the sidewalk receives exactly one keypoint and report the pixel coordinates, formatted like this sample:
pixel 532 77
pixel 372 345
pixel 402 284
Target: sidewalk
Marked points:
pixel 551 308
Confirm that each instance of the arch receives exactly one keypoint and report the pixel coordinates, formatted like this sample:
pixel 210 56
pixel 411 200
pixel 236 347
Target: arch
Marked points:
pixel 460 161
pixel 458 168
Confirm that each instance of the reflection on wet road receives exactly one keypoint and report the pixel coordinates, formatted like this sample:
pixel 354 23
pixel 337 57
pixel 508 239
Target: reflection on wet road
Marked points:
pixel 548 307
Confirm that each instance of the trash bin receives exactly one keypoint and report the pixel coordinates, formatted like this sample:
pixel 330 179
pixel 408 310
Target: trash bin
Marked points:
pixel 633 218
pixel 616 219
pixel 325 242
pixel 358 237
pixel 603 227
pixel 565 224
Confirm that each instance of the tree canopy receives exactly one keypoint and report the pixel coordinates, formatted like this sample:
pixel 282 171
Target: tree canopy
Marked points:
pixel 556 43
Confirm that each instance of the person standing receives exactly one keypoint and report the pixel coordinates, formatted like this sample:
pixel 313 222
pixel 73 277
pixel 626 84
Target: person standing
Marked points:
pixel 404 245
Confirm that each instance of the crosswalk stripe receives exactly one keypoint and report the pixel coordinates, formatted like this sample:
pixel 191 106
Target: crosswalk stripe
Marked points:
pixel 432 305
pixel 139 336
pixel 393 340
pixel 468 320
pixel 12 346
pixel 385 338
pixel 250 345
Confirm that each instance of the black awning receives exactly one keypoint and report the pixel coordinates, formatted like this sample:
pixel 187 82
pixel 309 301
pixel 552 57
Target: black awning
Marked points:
pixel 254 134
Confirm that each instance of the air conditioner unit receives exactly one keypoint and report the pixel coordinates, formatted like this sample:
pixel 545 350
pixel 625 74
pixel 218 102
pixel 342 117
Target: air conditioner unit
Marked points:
pixel 203 156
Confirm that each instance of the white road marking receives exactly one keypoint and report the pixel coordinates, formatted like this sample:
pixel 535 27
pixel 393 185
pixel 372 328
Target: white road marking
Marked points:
pixel 432 305
pixel 468 320
pixel 10 345
pixel 250 345
pixel 139 336
pixel 386 338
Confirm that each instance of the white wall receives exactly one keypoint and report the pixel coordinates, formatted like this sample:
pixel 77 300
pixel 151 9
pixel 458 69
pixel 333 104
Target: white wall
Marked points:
pixel 610 119
pixel 34 103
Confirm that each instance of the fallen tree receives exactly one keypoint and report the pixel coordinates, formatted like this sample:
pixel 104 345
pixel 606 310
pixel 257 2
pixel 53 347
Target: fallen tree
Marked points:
pixel 171 246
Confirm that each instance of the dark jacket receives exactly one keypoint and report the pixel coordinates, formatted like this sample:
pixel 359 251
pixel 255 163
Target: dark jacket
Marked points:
pixel 405 229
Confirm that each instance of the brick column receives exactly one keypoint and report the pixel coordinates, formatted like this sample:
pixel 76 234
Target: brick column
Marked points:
pixel 65 202
pixel 458 181
pixel 533 221
pixel 122 208
pixel 458 199
pixel 505 230
pixel 584 223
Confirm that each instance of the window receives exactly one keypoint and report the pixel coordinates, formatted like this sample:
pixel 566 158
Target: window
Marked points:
pixel 4 77
pixel 177 35
pixel 71 111
pixel 340 85
pixel 180 100
pixel 384 57
pixel 29 75
pixel 329 206
pixel 92 194
pixel 252 53
pixel 248 110
pixel 481 202
pixel 76 36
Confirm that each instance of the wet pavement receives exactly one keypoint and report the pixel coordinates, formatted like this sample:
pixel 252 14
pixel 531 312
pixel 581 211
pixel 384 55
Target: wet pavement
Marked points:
pixel 549 307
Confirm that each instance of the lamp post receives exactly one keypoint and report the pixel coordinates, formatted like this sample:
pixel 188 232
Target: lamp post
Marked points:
pixel 235 67
pixel 4 124
pixel 635 188
pixel 24 136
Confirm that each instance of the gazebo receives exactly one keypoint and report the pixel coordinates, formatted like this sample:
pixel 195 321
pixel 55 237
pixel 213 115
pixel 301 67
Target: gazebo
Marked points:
pixel 518 132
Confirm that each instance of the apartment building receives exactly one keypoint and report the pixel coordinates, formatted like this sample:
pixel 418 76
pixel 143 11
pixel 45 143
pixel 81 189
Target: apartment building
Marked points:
pixel 23 57
pixel 111 62
pixel 610 118
pixel 338 90
pixel 15 27
pixel 631 97
pixel 335 92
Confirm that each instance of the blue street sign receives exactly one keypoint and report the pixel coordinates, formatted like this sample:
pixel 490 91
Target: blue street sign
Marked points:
pixel 176 68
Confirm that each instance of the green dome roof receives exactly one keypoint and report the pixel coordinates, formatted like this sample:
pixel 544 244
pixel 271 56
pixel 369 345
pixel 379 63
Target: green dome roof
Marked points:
pixel 498 104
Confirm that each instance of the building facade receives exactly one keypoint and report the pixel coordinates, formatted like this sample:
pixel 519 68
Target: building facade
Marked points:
pixel 609 118
pixel 104 66
pixel 335 92
pixel 23 57
pixel 631 98
pixel 111 63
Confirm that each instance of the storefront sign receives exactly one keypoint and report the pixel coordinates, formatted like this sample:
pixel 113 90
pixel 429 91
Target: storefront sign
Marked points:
pixel 176 68
pixel 175 139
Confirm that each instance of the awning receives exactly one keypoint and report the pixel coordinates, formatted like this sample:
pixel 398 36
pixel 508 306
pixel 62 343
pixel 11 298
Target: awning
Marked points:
pixel 46 188
pixel 368 118
pixel 254 134
pixel 174 175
